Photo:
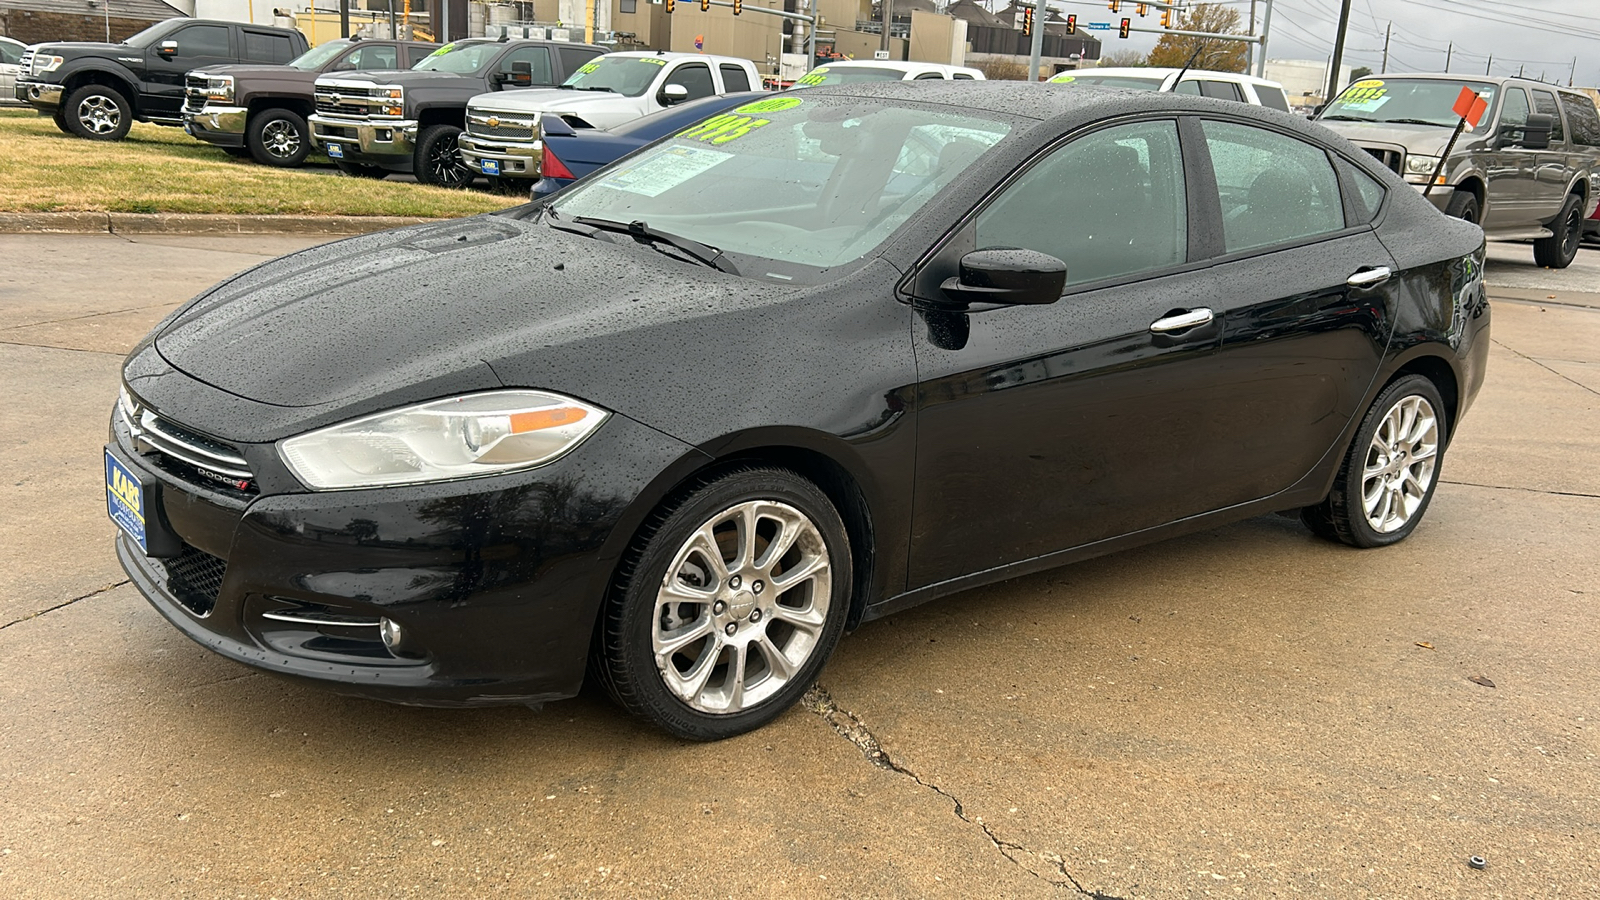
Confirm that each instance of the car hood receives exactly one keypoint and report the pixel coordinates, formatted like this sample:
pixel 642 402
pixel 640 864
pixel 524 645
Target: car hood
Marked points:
pixel 405 77
pixel 554 100
pixel 88 47
pixel 379 320
pixel 1427 140
pixel 238 70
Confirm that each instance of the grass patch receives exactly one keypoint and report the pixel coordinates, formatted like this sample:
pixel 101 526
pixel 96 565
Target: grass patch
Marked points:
pixel 161 169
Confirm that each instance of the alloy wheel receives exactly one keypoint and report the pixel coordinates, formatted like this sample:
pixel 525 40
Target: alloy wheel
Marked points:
pixel 1400 464
pixel 445 164
pixel 1574 233
pixel 99 114
pixel 742 606
pixel 281 139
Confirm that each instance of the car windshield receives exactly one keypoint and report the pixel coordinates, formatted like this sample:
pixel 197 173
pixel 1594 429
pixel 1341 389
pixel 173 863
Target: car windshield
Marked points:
pixel 1136 82
pixel 150 35
pixel 842 74
pixel 461 59
pixel 817 182
pixel 626 75
pixel 1414 101
pixel 316 56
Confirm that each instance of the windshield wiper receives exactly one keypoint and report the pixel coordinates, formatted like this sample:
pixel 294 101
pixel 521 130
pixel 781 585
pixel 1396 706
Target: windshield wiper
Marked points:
pixel 644 234
pixel 596 88
pixel 1342 119
pixel 1415 122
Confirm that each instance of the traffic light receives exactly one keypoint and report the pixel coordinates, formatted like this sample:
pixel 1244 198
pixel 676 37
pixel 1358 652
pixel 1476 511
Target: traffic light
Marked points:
pixel 1127 26
pixel 1072 24
pixel 738 6
pixel 1144 10
pixel 1166 18
pixel 1116 5
pixel 1027 21
pixel 705 5
pixel 671 5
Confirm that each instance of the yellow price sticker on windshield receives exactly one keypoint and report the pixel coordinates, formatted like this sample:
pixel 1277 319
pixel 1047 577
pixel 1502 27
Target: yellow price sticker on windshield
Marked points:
pixel 653 61
pixel 1369 83
pixel 771 105
pixel 442 50
pixel 1358 94
pixel 719 130
pixel 586 68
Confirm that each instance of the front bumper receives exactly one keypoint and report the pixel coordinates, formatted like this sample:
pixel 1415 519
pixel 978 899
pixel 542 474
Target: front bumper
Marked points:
pixel 514 159
pixel 495 582
pixel 220 125
pixel 39 94
pixel 389 142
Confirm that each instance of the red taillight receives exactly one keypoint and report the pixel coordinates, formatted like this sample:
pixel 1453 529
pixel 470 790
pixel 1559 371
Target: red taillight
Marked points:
pixel 552 166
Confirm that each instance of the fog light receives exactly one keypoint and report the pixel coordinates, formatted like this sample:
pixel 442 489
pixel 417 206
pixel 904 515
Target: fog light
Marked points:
pixel 385 134
pixel 393 636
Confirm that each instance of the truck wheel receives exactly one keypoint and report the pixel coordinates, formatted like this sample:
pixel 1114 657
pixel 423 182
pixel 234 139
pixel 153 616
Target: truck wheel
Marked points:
pixel 98 113
pixel 438 160
pixel 60 118
pixel 358 170
pixel 1559 249
pixel 277 137
pixel 1463 206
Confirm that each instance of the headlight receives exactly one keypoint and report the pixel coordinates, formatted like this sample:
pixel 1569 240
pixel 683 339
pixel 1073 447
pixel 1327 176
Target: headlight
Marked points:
pixel 125 404
pixel 47 63
pixel 220 87
pixel 459 437
pixel 1421 165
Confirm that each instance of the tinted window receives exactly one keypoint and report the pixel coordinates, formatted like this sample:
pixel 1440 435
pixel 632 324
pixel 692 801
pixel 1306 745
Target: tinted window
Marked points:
pixel 1585 120
pixel 202 40
pixel 929 76
pixel 1188 87
pixel 734 79
pixel 415 55
pixel 1222 90
pixel 694 76
pixel 959 76
pixel 267 48
pixel 1514 112
pixel 1369 193
pixel 1545 102
pixel 536 57
pixel 1108 204
pixel 1272 98
pixel 573 57
pixel 1274 189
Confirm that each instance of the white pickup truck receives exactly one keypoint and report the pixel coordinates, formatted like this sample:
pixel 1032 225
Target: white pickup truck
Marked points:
pixel 502 137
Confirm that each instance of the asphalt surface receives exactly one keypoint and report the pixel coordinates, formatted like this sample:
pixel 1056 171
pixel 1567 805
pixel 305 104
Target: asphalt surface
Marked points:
pixel 1245 712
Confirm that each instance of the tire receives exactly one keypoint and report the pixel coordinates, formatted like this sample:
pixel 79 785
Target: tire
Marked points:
pixel 438 159
pixel 722 626
pixel 1464 206
pixel 278 137
pixel 60 118
pixel 361 170
pixel 98 113
pixel 1380 495
pixel 1559 249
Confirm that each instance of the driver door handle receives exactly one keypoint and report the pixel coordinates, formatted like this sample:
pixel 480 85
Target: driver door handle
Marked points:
pixel 1194 318
pixel 1369 278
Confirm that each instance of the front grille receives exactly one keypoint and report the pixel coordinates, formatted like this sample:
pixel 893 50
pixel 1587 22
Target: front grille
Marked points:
pixel 194 577
pixel 1390 158
pixel 25 67
pixel 503 127
pixel 194 93
pixel 359 101
pixel 208 461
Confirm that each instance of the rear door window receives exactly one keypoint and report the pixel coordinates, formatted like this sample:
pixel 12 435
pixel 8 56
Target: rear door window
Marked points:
pixel 1585 120
pixel 1221 90
pixel 734 78
pixel 1274 188
pixel 267 48
pixel 573 58
pixel 1272 98
pixel 415 55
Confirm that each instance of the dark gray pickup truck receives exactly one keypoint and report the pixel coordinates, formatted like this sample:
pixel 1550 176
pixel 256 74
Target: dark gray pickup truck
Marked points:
pixel 1529 171
pixel 96 91
pixel 374 123
pixel 262 109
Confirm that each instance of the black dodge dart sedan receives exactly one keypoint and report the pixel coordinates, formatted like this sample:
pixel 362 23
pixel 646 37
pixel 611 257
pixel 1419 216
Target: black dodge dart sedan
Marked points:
pixel 809 362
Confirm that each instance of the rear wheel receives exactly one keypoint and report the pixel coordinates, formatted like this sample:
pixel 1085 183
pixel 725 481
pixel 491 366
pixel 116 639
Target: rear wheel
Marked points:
pixel 1464 206
pixel 277 137
pixel 728 606
pixel 438 158
pixel 1559 249
pixel 98 113
pixel 1390 471
pixel 360 170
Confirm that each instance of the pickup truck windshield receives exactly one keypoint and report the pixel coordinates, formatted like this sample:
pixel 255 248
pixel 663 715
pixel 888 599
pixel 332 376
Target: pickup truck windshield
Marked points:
pixel 814 183
pixel 836 74
pixel 314 58
pixel 149 36
pixel 1409 101
pixel 461 59
pixel 626 75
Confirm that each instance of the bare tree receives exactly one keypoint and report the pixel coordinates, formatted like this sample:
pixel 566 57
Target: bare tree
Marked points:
pixel 1174 50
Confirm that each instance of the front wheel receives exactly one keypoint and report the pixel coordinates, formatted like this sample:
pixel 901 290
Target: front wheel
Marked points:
pixel 1463 206
pixel 60 118
pixel 278 137
pixel 728 605
pixel 438 158
pixel 1559 249
pixel 98 113
pixel 1391 470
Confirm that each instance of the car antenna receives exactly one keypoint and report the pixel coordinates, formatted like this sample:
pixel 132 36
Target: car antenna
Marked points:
pixel 504 36
pixel 1185 68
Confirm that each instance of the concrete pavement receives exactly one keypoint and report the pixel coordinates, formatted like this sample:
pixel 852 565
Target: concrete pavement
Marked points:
pixel 1245 712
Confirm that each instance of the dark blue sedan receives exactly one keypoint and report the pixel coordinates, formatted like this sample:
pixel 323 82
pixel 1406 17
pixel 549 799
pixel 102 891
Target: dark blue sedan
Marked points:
pixel 571 153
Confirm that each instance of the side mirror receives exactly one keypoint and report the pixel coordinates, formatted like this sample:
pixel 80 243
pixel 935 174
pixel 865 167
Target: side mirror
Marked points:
pixel 672 93
pixel 522 73
pixel 1007 276
pixel 167 48
pixel 1536 134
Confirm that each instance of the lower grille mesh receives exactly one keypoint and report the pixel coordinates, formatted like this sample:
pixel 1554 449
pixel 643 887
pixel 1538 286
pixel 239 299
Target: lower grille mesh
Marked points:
pixel 195 578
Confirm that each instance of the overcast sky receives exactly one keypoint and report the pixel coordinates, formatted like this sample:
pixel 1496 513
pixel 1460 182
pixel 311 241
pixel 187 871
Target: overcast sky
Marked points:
pixel 1543 35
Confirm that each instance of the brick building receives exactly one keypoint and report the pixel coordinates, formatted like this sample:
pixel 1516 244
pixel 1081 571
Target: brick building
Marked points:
pixel 37 21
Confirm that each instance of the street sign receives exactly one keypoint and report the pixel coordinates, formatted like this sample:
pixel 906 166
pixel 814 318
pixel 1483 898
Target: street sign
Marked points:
pixel 1098 26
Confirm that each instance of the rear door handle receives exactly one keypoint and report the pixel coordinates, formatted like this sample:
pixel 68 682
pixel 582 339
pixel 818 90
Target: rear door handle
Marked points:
pixel 1369 278
pixel 1194 318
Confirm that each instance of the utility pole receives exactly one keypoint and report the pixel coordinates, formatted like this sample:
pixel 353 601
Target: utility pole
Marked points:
pixel 1488 65
pixel 344 18
pixel 1574 75
pixel 1037 47
pixel 1250 49
pixel 1519 70
pixel 888 16
pixel 1387 33
pixel 1266 29
pixel 1338 50
pixel 1449 52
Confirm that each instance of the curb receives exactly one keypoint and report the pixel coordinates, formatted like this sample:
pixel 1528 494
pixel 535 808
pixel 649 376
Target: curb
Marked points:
pixel 189 223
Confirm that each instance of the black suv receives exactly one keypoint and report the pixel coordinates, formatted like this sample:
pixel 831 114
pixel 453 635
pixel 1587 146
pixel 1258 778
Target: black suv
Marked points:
pixel 263 109
pixel 95 91
pixel 374 123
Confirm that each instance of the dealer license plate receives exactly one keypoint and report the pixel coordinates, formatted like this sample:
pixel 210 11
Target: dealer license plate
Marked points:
pixel 125 500
pixel 335 151
pixel 490 166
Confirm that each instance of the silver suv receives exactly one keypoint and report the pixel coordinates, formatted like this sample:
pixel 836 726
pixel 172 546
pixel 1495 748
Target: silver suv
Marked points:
pixel 1530 171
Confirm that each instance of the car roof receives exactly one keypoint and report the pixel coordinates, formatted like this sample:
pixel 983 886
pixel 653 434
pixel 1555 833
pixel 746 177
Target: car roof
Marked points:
pixel 897 65
pixel 669 54
pixel 1043 100
pixel 1164 72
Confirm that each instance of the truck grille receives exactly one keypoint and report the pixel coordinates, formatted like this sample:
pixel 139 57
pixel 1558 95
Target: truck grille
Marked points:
pixel 194 93
pixel 200 459
pixel 1390 158
pixel 509 128
pixel 356 101
pixel 25 67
